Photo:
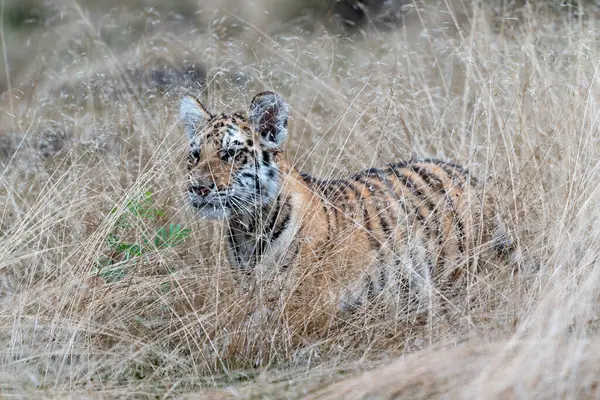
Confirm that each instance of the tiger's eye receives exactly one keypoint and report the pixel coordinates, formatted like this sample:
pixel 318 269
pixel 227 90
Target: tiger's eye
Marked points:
pixel 228 154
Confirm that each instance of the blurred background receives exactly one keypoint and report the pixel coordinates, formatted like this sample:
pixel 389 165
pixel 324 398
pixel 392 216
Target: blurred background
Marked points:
pixel 37 31
pixel 86 52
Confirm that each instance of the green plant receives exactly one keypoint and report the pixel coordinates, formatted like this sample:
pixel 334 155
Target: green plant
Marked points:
pixel 127 242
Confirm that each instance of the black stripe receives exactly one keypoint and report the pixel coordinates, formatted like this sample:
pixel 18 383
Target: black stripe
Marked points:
pixel 384 225
pixel 441 253
pixel 456 171
pixel 456 222
pixel 401 200
pixel 281 225
pixel 406 181
pixel 400 164
pixel 327 220
pixel 431 179
pixel 417 192
pixel 423 199
pixel 368 172
pixel 266 158
pixel 274 212
pixel 370 288
pixel 336 216
pixel 234 248
pixel 453 170
pixel 262 244
pixel 335 187
pixel 392 193
pixel 382 277
pixel 193 158
pixel 401 274
pixel 287 265
pixel 281 228
pixel 365 214
pixel 257 184
pixel 334 192
pixel 307 178
pixel 367 220
pixel 330 192
pixel 461 235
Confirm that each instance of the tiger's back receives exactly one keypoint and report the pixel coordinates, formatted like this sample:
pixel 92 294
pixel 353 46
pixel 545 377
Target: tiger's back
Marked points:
pixel 405 225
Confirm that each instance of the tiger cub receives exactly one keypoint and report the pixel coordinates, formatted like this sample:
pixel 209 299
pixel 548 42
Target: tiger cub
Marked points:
pixel 335 243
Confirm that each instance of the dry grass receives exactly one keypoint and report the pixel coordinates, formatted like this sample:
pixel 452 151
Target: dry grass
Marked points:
pixel 87 129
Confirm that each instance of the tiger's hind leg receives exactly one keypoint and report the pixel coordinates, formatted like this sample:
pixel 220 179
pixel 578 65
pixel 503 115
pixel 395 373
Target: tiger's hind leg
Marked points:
pixel 396 281
pixel 405 279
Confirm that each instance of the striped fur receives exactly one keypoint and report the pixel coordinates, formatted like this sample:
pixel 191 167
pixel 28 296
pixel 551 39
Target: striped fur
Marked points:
pixel 335 243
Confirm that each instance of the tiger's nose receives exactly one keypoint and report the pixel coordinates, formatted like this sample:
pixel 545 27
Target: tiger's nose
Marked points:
pixel 201 189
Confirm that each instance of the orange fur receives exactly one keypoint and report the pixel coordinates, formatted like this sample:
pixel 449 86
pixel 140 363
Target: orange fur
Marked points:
pixel 334 245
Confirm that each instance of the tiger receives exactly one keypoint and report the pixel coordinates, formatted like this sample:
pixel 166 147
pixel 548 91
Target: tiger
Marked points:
pixel 338 244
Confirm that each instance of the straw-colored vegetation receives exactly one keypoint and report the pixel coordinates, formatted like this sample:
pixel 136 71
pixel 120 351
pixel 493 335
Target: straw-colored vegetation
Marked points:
pixel 110 286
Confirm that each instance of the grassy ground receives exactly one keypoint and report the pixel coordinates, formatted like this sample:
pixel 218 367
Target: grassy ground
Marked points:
pixel 111 287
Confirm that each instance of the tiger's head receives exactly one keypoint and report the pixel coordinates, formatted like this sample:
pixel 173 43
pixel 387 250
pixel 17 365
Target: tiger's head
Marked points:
pixel 232 160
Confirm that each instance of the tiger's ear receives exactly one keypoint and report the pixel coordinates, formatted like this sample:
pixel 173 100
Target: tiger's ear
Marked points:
pixel 193 114
pixel 269 117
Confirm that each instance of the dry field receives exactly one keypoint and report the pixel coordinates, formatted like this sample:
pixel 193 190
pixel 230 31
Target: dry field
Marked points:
pixel 110 286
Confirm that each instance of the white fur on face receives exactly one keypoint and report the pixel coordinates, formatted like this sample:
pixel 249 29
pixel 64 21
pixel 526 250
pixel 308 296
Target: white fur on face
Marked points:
pixel 247 190
pixel 212 207
pixel 193 116
pixel 256 182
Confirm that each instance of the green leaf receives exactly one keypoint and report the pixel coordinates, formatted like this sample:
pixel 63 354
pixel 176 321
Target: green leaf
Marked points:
pixel 165 287
pixel 109 274
pixel 132 251
pixel 121 247
pixel 101 262
pixel 141 207
pixel 113 275
pixel 171 236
